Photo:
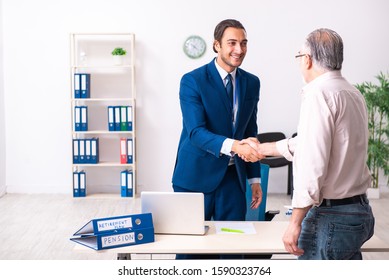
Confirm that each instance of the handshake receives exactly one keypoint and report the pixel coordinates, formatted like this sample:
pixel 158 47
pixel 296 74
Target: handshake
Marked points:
pixel 251 150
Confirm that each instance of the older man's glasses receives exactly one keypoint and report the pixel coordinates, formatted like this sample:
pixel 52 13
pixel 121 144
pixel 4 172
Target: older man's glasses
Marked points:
pixel 303 54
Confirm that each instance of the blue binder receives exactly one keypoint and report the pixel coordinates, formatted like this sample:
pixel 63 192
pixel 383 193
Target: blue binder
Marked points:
pixel 77 118
pixel 82 185
pixel 77 86
pixel 129 118
pixel 116 116
pixel 111 118
pixel 113 232
pixel 130 150
pixel 76 149
pixel 94 150
pixel 116 224
pixel 84 118
pixel 76 184
pixel 85 85
pixel 126 183
pixel 123 183
pixel 130 183
pixel 127 237
pixel 88 150
pixel 81 151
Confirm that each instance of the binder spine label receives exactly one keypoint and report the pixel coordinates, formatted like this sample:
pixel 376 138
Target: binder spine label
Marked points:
pixel 114 224
pixel 117 240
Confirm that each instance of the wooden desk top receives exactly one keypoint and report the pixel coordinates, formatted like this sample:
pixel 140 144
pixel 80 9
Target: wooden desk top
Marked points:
pixel 267 240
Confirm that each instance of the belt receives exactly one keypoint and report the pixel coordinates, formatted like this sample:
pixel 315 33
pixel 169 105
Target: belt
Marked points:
pixel 344 201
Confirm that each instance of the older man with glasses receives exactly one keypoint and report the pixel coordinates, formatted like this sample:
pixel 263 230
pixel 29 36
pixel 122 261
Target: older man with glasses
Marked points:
pixel 331 216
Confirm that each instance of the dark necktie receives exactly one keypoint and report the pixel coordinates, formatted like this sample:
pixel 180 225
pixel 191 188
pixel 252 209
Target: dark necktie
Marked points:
pixel 230 89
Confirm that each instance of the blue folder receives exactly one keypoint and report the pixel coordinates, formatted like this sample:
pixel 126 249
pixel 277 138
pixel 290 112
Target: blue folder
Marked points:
pixel 77 118
pixel 76 151
pixel 95 150
pixel 85 85
pixel 76 184
pixel 127 237
pixel 77 86
pixel 116 224
pixel 111 118
pixel 82 185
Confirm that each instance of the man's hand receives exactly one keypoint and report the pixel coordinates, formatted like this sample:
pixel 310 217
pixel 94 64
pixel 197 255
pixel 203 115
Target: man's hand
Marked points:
pixel 256 197
pixel 246 151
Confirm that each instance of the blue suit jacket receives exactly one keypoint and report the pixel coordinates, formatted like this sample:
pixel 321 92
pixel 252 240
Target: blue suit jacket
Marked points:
pixel 207 122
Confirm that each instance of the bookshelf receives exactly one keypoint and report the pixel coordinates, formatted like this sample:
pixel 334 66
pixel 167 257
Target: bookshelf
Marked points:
pixel 97 83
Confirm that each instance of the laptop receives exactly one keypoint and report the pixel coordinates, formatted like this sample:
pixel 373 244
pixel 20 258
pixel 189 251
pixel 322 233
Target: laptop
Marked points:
pixel 175 212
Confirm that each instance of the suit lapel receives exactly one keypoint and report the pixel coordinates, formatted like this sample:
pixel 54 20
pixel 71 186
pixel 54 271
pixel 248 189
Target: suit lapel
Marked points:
pixel 218 84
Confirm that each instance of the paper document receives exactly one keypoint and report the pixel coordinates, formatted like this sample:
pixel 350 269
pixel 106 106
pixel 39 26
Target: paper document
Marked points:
pixel 234 228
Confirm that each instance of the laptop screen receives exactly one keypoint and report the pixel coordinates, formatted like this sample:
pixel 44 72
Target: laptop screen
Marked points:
pixel 175 212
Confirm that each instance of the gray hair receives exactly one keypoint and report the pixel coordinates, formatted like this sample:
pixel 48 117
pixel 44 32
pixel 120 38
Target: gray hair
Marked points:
pixel 326 49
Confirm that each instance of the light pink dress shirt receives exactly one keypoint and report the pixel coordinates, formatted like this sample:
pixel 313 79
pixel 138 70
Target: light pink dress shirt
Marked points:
pixel 330 151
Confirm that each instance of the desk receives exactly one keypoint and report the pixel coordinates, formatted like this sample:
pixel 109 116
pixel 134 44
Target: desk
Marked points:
pixel 267 240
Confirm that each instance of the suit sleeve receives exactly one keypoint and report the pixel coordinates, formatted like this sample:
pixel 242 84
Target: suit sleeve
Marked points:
pixel 195 118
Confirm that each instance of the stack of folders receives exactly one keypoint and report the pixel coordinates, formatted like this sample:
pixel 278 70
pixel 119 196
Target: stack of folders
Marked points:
pixel 81 118
pixel 120 118
pixel 113 232
pixel 79 183
pixel 81 85
pixel 126 183
pixel 86 150
pixel 126 150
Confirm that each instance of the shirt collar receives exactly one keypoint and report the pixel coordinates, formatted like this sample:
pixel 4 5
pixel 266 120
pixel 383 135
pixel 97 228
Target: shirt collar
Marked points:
pixel 320 79
pixel 223 73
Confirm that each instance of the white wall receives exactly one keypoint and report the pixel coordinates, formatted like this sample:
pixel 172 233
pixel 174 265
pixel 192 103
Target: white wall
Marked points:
pixel 2 115
pixel 37 85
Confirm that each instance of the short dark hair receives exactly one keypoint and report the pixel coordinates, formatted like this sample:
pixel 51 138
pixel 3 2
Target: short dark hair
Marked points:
pixel 222 26
pixel 326 48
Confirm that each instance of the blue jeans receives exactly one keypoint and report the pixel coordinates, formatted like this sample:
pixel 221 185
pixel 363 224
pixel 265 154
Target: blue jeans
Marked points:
pixel 337 232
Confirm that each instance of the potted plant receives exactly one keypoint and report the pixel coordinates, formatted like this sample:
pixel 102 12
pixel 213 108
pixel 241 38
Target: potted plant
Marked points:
pixel 118 54
pixel 377 101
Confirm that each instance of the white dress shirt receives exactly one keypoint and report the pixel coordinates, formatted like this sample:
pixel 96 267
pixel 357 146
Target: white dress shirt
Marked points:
pixel 330 151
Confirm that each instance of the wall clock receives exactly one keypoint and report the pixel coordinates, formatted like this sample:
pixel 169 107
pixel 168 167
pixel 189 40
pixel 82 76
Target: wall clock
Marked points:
pixel 194 46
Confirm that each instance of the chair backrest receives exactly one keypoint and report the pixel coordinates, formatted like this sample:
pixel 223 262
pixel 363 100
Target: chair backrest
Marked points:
pixel 258 214
pixel 270 136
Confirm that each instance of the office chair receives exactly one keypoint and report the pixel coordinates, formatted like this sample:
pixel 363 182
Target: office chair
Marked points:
pixel 275 162
pixel 259 214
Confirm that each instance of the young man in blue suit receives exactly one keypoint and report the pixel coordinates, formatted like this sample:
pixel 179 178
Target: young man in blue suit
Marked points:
pixel 213 125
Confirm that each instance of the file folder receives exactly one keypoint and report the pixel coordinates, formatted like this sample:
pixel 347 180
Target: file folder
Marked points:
pixel 129 151
pixel 85 85
pixel 116 116
pixel 81 150
pixel 76 155
pixel 84 118
pixel 130 183
pixel 123 183
pixel 76 183
pixel 129 118
pixel 77 118
pixel 127 237
pixel 94 150
pixel 123 150
pixel 116 224
pixel 113 232
pixel 88 152
pixel 126 183
pixel 111 118
pixel 77 89
pixel 82 185
pixel 123 118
